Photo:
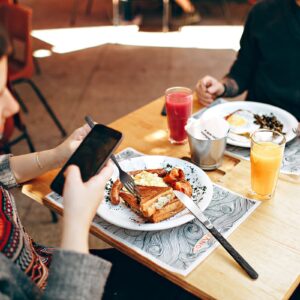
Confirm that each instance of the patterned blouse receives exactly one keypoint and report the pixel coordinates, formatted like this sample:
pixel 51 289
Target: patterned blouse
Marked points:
pixel 15 243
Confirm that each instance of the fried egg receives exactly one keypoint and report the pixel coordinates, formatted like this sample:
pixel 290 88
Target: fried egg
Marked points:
pixel 148 179
pixel 242 122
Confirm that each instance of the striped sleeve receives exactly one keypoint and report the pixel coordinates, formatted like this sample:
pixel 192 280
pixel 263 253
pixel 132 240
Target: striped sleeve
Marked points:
pixel 7 177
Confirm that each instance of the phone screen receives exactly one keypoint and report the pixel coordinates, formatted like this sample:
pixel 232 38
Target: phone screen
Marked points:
pixel 91 154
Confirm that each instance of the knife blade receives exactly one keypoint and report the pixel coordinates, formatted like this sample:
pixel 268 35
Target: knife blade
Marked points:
pixel 196 211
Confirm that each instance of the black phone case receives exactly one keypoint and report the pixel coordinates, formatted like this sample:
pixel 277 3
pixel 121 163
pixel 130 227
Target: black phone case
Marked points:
pixel 57 184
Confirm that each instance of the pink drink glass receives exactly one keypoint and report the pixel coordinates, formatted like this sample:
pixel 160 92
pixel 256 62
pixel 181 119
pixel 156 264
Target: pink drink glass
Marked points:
pixel 179 104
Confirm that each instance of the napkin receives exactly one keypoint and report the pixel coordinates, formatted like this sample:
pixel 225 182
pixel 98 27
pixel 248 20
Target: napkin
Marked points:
pixel 212 128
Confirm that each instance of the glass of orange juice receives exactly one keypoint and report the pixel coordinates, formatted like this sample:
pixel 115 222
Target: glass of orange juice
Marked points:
pixel 266 155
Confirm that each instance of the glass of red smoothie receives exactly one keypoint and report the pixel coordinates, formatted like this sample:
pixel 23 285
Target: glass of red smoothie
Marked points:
pixel 179 104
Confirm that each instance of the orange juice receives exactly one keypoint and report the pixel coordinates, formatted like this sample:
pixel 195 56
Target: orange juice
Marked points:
pixel 266 158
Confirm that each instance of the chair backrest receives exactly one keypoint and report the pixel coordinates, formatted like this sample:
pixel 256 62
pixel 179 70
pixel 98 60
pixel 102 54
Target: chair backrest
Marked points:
pixel 17 21
pixel 9 126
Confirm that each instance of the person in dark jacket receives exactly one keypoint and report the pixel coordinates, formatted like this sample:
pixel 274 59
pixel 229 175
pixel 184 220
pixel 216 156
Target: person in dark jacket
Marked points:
pixel 268 62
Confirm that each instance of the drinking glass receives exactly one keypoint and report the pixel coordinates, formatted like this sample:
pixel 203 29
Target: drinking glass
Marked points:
pixel 179 104
pixel 266 155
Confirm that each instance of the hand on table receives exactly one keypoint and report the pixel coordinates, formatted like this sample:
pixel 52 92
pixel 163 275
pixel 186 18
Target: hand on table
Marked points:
pixel 208 89
pixel 81 200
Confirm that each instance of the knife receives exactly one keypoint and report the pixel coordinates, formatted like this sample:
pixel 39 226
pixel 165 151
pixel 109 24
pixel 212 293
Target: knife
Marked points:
pixel 196 211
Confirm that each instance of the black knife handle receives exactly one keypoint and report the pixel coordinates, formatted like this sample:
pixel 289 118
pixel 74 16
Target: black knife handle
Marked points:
pixel 236 256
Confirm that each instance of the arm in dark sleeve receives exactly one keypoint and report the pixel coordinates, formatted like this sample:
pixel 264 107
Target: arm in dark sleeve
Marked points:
pixel 76 276
pixel 242 71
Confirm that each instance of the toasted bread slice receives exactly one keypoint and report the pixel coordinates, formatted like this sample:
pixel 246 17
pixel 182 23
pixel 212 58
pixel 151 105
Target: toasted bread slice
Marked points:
pixel 131 201
pixel 168 211
pixel 152 198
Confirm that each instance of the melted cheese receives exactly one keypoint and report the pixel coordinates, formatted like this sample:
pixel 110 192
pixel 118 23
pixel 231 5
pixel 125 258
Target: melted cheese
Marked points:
pixel 148 179
pixel 162 201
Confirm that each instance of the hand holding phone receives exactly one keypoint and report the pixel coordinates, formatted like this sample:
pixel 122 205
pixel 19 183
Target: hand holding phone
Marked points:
pixel 91 155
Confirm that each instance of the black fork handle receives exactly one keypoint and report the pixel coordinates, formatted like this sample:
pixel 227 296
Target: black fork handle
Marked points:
pixel 113 158
pixel 89 121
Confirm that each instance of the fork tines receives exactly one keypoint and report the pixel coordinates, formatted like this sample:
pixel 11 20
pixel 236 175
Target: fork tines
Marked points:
pixel 131 187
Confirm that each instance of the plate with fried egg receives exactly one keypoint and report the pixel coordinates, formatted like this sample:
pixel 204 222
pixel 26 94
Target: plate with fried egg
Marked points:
pixel 122 215
pixel 243 116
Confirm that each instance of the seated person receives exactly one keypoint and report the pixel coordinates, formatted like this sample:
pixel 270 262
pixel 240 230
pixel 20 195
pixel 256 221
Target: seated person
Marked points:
pixel 24 265
pixel 268 62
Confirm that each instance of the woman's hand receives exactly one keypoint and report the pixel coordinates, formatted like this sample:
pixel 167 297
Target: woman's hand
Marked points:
pixel 208 89
pixel 81 200
pixel 66 148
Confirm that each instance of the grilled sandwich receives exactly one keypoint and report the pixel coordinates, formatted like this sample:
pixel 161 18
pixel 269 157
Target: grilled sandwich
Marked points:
pixel 157 201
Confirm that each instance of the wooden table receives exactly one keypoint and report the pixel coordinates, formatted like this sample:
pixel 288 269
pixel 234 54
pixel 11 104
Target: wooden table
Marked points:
pixel 269 239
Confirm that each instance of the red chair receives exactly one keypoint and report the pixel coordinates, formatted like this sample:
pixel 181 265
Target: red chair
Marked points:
pixel 10 124
pixel 6 143
pixel 16 19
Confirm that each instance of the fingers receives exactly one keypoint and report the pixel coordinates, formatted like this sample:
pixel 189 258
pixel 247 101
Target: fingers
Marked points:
pixel 206 90
pixel 207 81
pixel 213 89
pixel 204 97
pixel 82 132
pixel 100 180
pixel 86 128
pixel 73 176
pixel 206 102
pixel 107 171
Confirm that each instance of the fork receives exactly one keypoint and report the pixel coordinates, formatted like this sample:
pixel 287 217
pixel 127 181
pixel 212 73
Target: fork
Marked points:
pixel 125 178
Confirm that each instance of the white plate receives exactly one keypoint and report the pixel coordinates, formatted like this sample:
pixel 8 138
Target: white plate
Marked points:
pixel 288 120
pixel 122 216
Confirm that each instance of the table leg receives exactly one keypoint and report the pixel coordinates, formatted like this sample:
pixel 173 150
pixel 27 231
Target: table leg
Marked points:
pixel 116 12
pixel 166 15
pixel 89 7
pixel 74 12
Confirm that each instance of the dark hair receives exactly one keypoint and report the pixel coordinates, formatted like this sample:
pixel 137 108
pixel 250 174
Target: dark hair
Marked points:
pixel 4 43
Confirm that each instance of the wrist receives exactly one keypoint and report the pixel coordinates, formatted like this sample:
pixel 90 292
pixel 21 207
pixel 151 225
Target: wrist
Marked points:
pixel 75 237
pixel 59 158
pixel 75 225
pixel 222 90
pixel 75 243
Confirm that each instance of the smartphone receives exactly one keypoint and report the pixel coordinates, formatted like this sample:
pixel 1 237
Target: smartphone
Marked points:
pixel 91 155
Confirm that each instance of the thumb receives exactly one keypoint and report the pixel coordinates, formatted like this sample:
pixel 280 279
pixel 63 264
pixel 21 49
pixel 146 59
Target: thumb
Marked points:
pixel 72 175
pixel 207 81
pixel 214 88
pixel 100 180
